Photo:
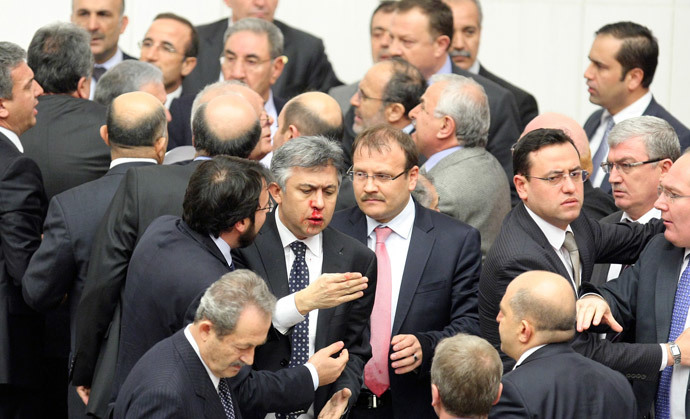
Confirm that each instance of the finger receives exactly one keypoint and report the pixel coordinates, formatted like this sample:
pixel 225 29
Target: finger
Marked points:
pixel 343 358
pixel 352 275
pixel 586 318
pixel 397 338
pixel 404 369
pixel 405 342
pixel 615 326
pixel 334 347
pixel 350 297
pixel 403 353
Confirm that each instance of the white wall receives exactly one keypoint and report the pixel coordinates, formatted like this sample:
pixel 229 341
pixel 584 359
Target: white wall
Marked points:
pixel 540 45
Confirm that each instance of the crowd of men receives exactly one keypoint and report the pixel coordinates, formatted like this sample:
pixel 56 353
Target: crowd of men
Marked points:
pixel 222 229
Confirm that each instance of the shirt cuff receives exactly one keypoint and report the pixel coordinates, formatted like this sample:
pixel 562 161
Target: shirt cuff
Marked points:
pixel 314 374
pixel 591 293
pixel 664 356
pixel 286 314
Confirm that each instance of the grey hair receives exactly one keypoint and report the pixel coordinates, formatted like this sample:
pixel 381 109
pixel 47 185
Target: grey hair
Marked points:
pixel 467 371
pixel 127 76
pixel 225 300
pixel 472 117
pixel 11 55
pixel 307 152
pixel 60 55
pixel 259 26
pixel 219 85
pixel 421 192
pixel 658 136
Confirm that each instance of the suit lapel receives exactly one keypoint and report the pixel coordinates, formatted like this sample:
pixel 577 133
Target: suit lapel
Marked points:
pixel 272 256
pixel 333 262
pixel 666 284
pixel 204 241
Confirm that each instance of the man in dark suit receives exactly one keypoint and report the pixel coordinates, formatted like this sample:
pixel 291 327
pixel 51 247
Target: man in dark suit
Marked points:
pixel 551 380
pixel 432 270
pixel 650 299
pixel 329 293
pixel 547 231
pixel 22 203
pixel 430 24
pixel 228 126
pixel 307 68
pixel 59 266
pixel 623 60
pixel 464 50
pixel 186 375
pixel 641 151
pixel 597 203
pixel 65 142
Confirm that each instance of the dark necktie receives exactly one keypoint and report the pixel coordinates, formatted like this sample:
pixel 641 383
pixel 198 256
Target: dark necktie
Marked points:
pixel 571 246
pixel 98 71
pixel 226 399
pixel 681 302
pixel 299 279
pixel 603 150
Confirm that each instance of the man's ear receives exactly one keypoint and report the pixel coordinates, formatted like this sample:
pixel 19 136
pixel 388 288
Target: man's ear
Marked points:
pixel 633 78
pixel 447 128
pixel 277 70
pixel 521 186
pixel 187 66
pixel 275 192
pixel 160 146
pixel 83 88
pixel 394 112
pixel 525 332
pixel 293 132
pixel 498 396
pixel 435 396
pixel 104 134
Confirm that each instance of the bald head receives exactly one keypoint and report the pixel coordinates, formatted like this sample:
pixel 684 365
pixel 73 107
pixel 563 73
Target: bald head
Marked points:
pixel 571 128
pixel 311 113
pixel 227 124
pixel 136 119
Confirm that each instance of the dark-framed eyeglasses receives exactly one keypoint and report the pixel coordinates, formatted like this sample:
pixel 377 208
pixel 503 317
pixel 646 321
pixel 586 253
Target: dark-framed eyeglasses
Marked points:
pixel 377 177
pixel 162 47
pixel 363 96
pixel 576 176
pixel 269 207
pixel 625 167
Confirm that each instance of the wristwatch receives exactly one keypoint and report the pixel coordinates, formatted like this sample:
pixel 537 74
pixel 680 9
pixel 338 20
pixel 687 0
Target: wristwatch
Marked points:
pixel 675 351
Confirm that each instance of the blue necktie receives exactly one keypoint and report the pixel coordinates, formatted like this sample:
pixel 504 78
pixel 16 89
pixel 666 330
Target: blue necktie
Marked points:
pixel 680 314
pixel 603 150
pixel 226 398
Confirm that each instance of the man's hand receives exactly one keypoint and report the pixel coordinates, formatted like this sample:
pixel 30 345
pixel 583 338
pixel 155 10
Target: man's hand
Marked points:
pixel 407 353
pixel 591 310
pixel 329 369
pixel 330 290
pixel 335 408
pixel 84 393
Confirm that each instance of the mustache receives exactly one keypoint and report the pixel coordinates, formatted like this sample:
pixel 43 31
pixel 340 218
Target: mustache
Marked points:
pixel 460 53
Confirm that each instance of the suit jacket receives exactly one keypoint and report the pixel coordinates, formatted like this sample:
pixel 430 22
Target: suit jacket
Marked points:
pixel 59 266
pixel 521 246
pixel 527 105
pixel 343 94
pixel 642 300
pixel 438 294
pixel 170 381
pixel 654 109
pixel 597 203
pixel 307 68
pixel 126 56
pixel 66 142
pixel 471 189
pixel 345 322
pixel 557 382
pixel 145 194
pixel 180 127
pixel 22 209
pixel 601 270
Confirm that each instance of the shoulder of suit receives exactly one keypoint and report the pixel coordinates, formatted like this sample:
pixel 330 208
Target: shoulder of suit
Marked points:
pixel 290 33
pixel 346 241
pixel 212 27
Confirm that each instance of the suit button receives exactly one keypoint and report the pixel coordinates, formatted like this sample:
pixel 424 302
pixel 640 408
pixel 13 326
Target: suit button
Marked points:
pixel 284 363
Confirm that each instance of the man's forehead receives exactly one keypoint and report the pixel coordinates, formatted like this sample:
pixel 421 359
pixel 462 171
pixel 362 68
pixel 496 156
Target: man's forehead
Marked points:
pixel 98 5
pixel 239 39
pixel 565 152
pixel 411 20
pixel 315 176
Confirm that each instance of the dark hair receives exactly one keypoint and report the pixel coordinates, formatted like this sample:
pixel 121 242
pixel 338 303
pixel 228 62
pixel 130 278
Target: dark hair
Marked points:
pixel 192 48
pixel 406 85
pixel 207 140
pixel 60 55
pixel 221 192
pixel 379 137
pixel 533 141
pixel 310 123
pixel 138 131
pixel 439 14
pixel 639 49
pixel 386 6
pixel 11 55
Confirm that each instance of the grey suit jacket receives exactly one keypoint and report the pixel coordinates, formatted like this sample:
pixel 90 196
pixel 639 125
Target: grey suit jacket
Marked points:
pixel 473 189
pixel 343 94
pixel 527 104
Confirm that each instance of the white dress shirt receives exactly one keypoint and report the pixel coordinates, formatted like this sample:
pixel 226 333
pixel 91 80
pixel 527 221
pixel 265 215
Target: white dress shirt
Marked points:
pixel 172 96
pixel 14 138
pixel 527 353
pixel 224 248
pixel 188 334
pixel 123 160
pixel 615 268
pixel 112 62
pixel 438 156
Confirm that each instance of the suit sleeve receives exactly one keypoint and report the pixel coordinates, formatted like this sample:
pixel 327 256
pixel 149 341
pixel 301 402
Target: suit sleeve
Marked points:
pixel 110 254
pixel 22 208
pixel 53 267
pixel 623 242
pixel 155 403
pixel 511 404
pixel 284 391
pixel 464 316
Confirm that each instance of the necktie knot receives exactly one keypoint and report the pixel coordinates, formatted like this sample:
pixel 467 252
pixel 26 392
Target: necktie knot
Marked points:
pixel 382 234
pixel 298 248
pixel 569 242
pixel 98 71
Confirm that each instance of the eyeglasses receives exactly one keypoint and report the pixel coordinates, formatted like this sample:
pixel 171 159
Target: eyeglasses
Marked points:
pixel 248 64
pixel 625 167
pixel 668 194
pixel 269 207
pixel 363 96
pixel 162 47
pixel 557 179
pixel 377 177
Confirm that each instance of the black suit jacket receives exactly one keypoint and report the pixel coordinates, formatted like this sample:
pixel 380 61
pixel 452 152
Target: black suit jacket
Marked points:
pixel 654 109
pixel 557 382
pixel 66 142
pixel 171 382
pixel 641 299
pixel 180 127
pixel 601 270
pixel 59 266
pixel 126 56
pixel 521 246
pixel 597 203
pixel 307 68
pixel 346 322
pixel 438 294
pixel 22 209
pixel 145 194
pixel 526 103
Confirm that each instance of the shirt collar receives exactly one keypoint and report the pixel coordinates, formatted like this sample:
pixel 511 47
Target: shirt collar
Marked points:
pixel 123 160
pixel 401 224
pixel 14 138
pixel 447 67
pixel 474 69
pixel 526 354
pixel 649 215
pixel 188 334
pixel 407 129
pixel 224 248
pixel 286 237
pixel 553 234
pixel 113 61
pixel 633 110
pixel 172 96
pixel 438 156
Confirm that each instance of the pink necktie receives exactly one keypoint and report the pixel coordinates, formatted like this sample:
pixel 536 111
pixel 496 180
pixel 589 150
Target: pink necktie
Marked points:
pixel 376 370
